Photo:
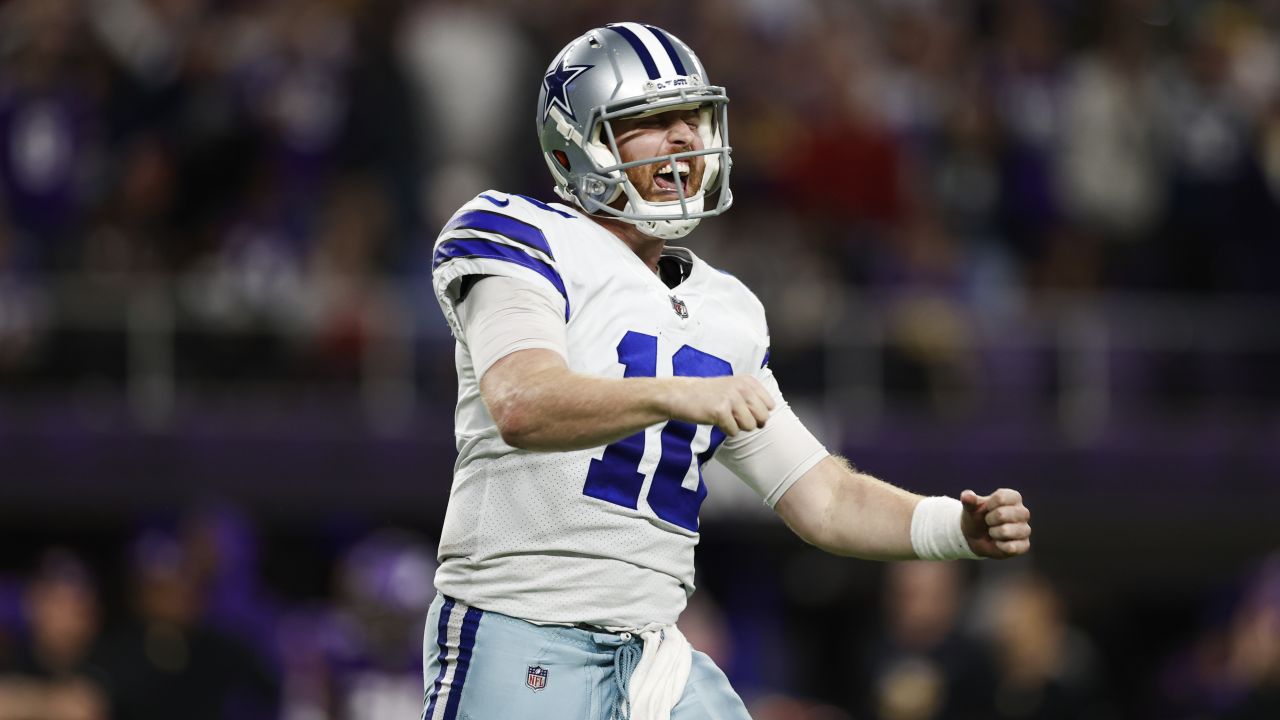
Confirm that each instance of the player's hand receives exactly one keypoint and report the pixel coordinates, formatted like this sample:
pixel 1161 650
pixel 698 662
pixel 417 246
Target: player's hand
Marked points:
pixel 996 525
pixel 734 403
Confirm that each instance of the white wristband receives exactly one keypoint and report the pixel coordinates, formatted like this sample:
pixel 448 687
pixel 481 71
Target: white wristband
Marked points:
pixel 936 533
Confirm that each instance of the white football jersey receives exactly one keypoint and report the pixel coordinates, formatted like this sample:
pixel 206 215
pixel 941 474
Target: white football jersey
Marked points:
pixel 603 536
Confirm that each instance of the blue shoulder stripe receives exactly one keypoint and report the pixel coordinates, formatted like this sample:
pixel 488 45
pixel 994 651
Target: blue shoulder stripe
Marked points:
pixel 637 44
pixel 488 249
pixel 504 225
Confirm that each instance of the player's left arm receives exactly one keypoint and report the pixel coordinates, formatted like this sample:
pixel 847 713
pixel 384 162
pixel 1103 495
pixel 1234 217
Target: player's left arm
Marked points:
pixel 834 507
pixel 846 512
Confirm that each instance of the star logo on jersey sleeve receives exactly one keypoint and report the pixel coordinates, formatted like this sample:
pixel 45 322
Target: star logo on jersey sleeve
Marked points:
pixel 556 83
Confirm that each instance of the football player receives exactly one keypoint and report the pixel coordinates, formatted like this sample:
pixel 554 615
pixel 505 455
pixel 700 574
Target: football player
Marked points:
pixel 598 369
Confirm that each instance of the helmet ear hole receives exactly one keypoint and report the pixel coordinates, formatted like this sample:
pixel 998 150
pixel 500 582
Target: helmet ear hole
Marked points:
pixel 561 158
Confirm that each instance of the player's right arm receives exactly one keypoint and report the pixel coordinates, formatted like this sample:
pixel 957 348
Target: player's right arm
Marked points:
pixel 497 278
pixel 514 331
pixel 538 403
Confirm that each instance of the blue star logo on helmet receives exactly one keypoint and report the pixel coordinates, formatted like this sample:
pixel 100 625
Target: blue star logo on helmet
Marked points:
pixel 556 83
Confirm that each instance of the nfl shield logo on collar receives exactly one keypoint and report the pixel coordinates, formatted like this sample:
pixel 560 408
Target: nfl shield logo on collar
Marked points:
pixel 681 309
pixel 536 679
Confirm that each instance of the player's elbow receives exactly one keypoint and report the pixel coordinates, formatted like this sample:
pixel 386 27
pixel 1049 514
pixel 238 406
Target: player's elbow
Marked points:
pixel 517 436
pixel 814 532
pixel 815 508
pixel 510 402
pixel 517 397
pixel 806 515
pixel 513 418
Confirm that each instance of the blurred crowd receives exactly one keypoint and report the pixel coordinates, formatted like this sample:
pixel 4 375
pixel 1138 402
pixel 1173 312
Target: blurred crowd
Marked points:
pixel 191 622
pixel 192 628
pixel 262 181
pixel 270 167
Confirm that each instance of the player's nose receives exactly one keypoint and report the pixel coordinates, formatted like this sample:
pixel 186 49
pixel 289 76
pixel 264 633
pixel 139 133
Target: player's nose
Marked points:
pixel 679 133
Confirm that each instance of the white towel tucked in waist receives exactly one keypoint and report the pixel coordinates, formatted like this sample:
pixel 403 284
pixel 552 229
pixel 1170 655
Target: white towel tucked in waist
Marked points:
pixel 660 677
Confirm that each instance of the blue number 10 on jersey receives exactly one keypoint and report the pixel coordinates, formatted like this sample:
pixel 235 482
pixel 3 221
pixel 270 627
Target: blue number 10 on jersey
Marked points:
pixel 616 476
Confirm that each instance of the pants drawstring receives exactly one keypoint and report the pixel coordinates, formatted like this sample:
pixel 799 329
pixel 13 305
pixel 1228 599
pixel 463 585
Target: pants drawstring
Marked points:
pixel 625 659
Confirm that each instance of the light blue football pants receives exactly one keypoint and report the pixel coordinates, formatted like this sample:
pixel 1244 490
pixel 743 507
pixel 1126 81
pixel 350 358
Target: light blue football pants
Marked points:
pixel 481 665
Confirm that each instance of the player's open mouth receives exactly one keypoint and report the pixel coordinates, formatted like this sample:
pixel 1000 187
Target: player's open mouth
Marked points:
pixel 665 179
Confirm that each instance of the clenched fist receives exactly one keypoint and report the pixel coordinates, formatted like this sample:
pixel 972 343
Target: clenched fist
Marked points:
pixel 734 403
pixel 996 525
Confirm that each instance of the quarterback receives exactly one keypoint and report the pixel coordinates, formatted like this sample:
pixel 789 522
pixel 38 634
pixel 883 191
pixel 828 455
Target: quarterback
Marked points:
pixel 599 368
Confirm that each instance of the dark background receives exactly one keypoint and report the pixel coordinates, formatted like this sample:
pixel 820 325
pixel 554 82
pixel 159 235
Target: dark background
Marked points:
pixel 1028 244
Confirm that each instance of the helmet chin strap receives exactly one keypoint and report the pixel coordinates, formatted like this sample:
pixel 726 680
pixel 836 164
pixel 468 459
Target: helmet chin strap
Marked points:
pixel 665 229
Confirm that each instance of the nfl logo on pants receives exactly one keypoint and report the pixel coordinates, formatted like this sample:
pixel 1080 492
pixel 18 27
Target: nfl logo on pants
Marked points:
pixel 537 677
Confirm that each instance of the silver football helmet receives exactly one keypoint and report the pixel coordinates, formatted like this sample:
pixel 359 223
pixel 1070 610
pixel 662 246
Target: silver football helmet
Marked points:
pixel 628 70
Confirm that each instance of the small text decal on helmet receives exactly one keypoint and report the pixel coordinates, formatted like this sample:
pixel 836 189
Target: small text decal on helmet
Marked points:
pixel 664 83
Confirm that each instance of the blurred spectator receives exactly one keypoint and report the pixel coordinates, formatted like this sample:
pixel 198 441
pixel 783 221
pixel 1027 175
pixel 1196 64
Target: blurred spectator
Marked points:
pixel 294 87
pixel 57 671
pixel 1231 667
pixel 222 544
pixel 921 666
pixel 1025 76
pixel 843 166
pixel 148 39
pixel 1217 205
pixel 929 354
pixel 472 117
pixel 22 311
pixel 50 128
pixel 342 272
pixel 1047 668
pixel 1110 155
pixel 166 663
pixel 1253 660
pixel 361 659
pixel 129 235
